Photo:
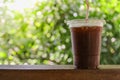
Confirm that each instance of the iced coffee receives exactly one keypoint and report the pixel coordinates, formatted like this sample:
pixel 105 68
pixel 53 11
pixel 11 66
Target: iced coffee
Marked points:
pixel 86 42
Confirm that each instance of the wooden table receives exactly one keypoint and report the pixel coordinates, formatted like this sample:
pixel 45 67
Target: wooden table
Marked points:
pixel 57 72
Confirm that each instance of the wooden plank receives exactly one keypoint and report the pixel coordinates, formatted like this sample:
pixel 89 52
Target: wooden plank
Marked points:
pixel 42 72
pixel 49 67
pixel 109 67
pixel 35 67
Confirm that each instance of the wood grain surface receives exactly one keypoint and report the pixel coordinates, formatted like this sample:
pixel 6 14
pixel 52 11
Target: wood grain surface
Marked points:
pixel 58 72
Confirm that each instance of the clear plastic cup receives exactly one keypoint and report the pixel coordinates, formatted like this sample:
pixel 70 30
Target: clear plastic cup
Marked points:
pixel 86 42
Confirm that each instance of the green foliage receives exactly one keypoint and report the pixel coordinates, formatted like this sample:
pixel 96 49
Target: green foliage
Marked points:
pixel 40 35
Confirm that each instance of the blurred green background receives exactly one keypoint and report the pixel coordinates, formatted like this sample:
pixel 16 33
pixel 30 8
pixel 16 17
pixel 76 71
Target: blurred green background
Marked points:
pixel 39 35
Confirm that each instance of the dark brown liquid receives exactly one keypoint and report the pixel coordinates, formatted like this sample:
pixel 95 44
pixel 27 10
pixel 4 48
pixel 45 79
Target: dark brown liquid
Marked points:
pixel 86 43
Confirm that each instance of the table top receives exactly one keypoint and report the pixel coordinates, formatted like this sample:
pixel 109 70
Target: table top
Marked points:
pixel 50 67
pixel 58 72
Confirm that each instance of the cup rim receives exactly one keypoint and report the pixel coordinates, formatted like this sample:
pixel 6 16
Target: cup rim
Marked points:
pixel 84 21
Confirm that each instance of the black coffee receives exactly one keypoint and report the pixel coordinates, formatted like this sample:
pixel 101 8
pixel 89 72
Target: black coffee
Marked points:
pixel 86 43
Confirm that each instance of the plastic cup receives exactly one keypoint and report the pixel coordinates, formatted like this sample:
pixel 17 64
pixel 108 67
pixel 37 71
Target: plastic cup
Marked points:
pixel 86 42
